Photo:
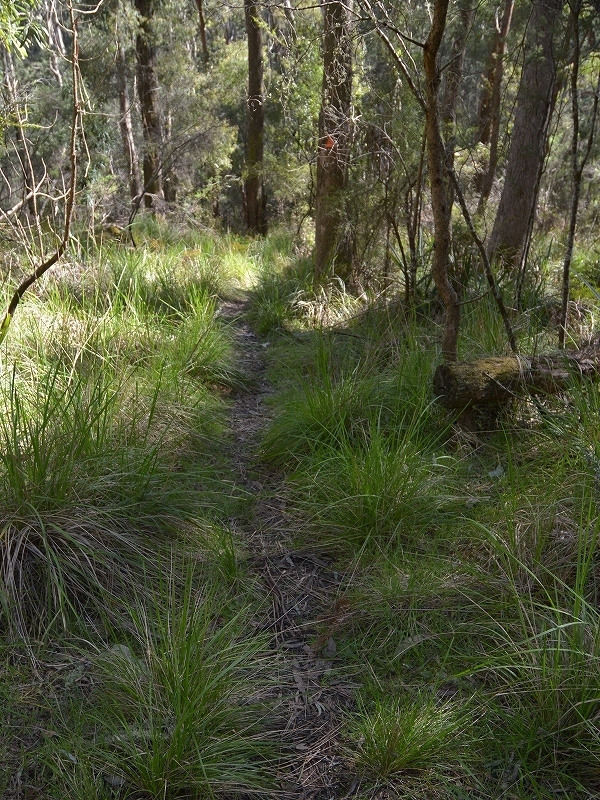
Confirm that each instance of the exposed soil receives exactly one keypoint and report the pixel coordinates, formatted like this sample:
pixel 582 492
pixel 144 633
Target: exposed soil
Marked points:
pixel 304 606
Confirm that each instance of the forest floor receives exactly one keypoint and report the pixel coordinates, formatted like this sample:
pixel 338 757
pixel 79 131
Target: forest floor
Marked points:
pixel 244 553
pixel 301 589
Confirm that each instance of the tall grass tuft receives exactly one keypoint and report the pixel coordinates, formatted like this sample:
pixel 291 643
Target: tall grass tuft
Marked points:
pixel 87 492
pixel 384 491
pixel 421 734
pixel 176 708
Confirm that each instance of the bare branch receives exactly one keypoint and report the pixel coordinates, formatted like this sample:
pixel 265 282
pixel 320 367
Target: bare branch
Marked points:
pixel 70 202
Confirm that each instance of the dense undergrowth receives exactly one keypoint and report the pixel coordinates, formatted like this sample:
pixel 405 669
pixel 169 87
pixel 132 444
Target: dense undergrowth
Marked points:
pixel 470 608
pixel 468 614
pixel 122 622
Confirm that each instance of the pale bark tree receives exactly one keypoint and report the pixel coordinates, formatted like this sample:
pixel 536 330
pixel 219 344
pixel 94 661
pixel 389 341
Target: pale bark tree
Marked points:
pixel 55 40
pixel 489 107
pixel 333 249
pixel 148 91
pixel 126 126
pixel 255 199
pixel 23 151
pixel 527 151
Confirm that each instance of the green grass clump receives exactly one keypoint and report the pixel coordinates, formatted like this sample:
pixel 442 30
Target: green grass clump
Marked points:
pixel 420 734
pixel 109 431
pixel 176 707
pixel 385 492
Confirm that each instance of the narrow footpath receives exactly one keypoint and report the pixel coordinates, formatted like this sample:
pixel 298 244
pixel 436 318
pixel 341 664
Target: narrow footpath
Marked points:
pixel 301 595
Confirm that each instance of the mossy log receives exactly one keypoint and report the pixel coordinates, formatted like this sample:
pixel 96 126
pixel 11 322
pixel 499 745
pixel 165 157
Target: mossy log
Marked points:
pixel 495 380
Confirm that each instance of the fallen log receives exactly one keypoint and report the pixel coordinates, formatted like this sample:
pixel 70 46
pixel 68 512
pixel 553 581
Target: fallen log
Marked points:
pixel 495 380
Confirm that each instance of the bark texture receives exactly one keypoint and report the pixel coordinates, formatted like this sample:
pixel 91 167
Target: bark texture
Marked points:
pixel 535 101
pixel 453 76
pixel 489 109
pixel 126 127
pixel 255 200
pixel 148 92
pixel 438 179
pixel 333 249
pixel 490 381
pixel 202 31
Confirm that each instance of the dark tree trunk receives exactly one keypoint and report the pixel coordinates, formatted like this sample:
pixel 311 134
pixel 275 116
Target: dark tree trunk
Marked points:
pixel 535 102
pixel 149 102
pixel 202 29
pixel 438 179
pixel 489 111
pixel 126 127
pixel 255 199
pixel 333 250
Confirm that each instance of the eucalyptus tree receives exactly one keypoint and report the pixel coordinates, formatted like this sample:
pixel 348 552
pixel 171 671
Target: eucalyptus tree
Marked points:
pixel 534 106
pixel 333 247
pixel 148 92
pixel 255 199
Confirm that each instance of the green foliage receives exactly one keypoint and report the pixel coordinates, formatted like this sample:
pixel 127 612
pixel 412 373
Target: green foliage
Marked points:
pixel 414 735
pixel 16 21
pixel 176 708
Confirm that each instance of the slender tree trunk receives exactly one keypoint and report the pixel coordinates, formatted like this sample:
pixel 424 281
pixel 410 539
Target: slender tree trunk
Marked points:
pixel 288 10
pixel 438 179
pixel 126 127
pixel 453 76
pixel 535 102
pixel 490 106
pixel 577 167
pixel 149 102
pixel 255 199
pixel 333 250
pixel 55 40
pixel 202 29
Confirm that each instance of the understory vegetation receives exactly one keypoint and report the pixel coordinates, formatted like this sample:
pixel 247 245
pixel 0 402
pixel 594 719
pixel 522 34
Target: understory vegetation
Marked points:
pixel 469 609
pixel 135 660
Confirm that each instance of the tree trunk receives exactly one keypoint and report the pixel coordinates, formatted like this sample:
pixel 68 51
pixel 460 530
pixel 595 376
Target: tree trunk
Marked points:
pixel 333 250
pixel 438 179
pixel 288 10
pixel 492 381
pixel 489 111
pixel 255 199
pixel 55 40
pixel 577 166
pixel 535 102
pixel 202 28
pixel 453 76
pixel 126 127
pixel 148 94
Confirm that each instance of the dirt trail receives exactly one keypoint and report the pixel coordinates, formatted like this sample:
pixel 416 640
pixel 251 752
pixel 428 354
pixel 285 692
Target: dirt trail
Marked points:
pixel 301 587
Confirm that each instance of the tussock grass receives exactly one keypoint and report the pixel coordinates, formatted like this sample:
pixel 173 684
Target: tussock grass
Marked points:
pixel 414 735
pixel 109 428
pixel 176 707
pixel 470 565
